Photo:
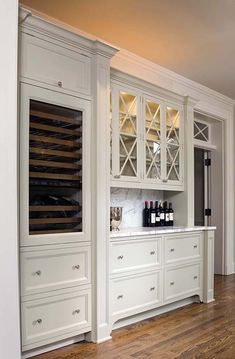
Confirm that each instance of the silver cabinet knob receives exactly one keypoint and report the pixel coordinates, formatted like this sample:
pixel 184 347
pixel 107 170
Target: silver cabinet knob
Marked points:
pixel 37 321
pixel 59 83
pixel 120 296
pixel 117 176
pixel 172 249
pixel 77 266
pixel 195 277
pixel 195 246
pixel 152 288
pixel 172 283
pixel 38 273
pixel 76 311
pixel 120 257
pixel 152 253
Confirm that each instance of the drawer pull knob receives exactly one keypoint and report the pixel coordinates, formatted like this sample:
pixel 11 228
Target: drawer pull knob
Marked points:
pixel 76 267
pixel 76 311
pixel 195 246
pixel 37 321
pixel 152 253
pixel 172 283
pixel 38 273
pixel 152 288
pixel 120 257
pixel 172 249
pixel 195 277
pixel 120 296
pixel 60 84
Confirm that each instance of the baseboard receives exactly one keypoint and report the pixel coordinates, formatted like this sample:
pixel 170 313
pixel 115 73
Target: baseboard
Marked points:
pixel 152 313
pixel 50 347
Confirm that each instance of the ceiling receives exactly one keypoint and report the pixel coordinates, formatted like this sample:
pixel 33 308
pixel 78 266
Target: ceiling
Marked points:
pixel 195 38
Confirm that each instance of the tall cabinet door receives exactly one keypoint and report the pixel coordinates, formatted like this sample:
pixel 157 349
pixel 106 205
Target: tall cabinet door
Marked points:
pixel 173 137
pixel 125 134
pixel 153 140
pixel 54 167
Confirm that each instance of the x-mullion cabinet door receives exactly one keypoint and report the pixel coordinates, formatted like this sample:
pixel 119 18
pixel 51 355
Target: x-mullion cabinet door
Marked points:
pixel 153 130
pixel 125 134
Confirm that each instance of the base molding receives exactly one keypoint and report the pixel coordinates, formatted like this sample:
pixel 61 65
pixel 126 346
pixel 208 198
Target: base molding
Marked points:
pixel 153 312
pixel 50 347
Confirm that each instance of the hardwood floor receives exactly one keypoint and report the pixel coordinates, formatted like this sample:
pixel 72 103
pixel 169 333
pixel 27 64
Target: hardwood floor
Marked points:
pixel 197 331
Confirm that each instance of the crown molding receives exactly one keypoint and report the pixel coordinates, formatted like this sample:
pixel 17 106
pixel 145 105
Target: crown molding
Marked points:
pixel 46 26
pixel 160 74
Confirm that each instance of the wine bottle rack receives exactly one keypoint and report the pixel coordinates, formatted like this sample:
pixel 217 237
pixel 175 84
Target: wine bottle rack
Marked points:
pixel 55 169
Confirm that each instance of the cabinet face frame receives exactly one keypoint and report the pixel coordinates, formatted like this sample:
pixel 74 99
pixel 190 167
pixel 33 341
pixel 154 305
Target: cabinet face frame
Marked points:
pixel 27 93
pixel 115 150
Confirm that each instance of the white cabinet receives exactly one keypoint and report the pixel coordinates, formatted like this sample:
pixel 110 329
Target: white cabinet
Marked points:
pixel 146 140
pixel 152 271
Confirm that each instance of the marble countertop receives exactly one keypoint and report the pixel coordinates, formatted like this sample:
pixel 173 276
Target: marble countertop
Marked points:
pixel 142 231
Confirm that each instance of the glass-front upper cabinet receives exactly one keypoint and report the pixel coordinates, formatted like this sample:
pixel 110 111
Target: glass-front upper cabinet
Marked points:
pixel 54 167
pixel 125 134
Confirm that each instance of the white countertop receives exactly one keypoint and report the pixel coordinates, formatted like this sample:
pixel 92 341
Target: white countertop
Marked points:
pixel 142 231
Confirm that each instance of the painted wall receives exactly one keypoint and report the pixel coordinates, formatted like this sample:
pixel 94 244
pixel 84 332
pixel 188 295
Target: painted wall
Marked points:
pixel 132 201
pixel 9 299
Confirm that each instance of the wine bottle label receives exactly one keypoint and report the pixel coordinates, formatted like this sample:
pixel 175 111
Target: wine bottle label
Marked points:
pixel 157 219
pixel 171 216
pixel 162 216
pixel 153 217
pixel 167 219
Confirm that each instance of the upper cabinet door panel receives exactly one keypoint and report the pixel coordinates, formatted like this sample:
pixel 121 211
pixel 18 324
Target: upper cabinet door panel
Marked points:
pixel 55 65
pixel 152 140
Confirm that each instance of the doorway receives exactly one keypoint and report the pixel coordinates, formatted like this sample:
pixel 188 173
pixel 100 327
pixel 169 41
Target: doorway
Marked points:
pixel 209 188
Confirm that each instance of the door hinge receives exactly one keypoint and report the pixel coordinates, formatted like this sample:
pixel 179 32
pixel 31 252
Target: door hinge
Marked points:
pixel 207 162
pixel 208 212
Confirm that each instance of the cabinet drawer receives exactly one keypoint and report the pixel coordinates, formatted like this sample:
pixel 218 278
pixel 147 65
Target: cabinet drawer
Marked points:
pixel 132 293
pixel 132 255
pixel 182 281
pixel 55 316
pixel 182 247
pixel 54 65
pixel 51 269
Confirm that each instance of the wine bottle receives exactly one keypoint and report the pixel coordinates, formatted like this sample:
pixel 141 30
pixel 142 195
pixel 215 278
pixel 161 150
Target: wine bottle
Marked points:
pixel 162 215
pixel 166 214
pixel 146 215
pixel 152 216
pixel 157 214
pixel 171 215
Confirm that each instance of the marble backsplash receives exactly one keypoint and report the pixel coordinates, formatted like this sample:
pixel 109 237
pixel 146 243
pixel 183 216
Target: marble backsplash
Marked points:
pixel 132 201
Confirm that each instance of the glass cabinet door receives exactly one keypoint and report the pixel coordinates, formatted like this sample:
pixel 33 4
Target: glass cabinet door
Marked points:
pixel 152 140
pixel 173 144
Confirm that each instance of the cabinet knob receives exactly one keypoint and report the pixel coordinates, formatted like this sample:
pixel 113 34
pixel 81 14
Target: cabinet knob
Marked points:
pixel 76 311
pixel 172 283
pixel 195 246
pixel 77 266
pixel 195 277
pixel 37 321
pixel 152 253
pixel 59 83
pixel 172 249
pixel 152 288
pixel 38 273
pixel 117 176
pixel 120 296
pixel 120 257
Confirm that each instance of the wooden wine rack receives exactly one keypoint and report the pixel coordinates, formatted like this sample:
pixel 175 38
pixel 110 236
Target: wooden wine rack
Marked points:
pixel 55 164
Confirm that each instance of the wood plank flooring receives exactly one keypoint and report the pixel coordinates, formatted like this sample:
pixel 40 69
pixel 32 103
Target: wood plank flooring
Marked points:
pixel 204 331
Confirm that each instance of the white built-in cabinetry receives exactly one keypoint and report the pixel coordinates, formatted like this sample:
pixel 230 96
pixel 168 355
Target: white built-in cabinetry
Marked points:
pixel 147 136
pixel 150 271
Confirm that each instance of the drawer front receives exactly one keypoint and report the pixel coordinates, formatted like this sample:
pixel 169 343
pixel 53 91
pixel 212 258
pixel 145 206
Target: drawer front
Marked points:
pixel 50 317
pixel 55 65
pixel 182 281
pixel 133 292
pixel 182 247
pixel 132 255
pixel 52 269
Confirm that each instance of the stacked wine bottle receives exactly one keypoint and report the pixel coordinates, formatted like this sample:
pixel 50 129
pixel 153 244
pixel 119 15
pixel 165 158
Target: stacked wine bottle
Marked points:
pixel 159 215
